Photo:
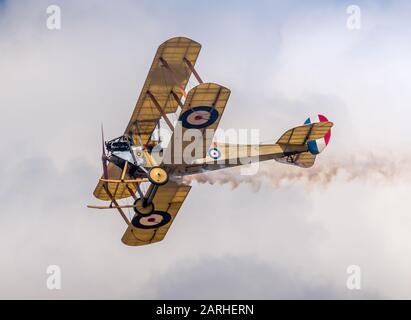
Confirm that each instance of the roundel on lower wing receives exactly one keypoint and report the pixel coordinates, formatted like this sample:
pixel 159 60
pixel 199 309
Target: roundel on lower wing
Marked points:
pixel 153 220
pixel 316 146
pixel 214 153
pixel 199 117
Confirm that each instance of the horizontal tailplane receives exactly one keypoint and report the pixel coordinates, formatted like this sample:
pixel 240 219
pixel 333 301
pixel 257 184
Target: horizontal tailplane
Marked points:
pixel 314 135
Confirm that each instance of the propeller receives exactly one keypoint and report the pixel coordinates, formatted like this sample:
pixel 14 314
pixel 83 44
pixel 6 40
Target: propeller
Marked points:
pixel 104 157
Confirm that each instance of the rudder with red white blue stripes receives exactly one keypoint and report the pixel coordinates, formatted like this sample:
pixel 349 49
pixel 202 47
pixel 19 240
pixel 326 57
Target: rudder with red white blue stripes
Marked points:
pixel 317 146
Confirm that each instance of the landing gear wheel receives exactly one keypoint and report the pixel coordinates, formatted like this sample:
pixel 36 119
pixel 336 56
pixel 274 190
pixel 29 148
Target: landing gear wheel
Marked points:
pixel 142 210
pixel 158 176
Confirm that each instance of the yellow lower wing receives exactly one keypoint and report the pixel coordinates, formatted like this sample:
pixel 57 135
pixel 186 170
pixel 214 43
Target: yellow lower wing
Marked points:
pixel 168 200
pixel 117 190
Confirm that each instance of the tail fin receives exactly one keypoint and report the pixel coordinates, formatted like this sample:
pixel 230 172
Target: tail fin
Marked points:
pixel 318 145
pixel 315 135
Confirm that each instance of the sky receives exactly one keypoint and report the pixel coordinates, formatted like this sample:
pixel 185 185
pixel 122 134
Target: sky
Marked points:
pixel 285 232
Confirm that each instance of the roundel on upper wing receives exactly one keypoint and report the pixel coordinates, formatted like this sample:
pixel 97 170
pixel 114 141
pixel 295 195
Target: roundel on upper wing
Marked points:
pixel 316 146
pixel 199 117
pixel 154 220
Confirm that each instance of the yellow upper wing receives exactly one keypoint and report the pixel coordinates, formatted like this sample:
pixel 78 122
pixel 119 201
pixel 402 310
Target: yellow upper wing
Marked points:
pixel 161 84
pixel 168 199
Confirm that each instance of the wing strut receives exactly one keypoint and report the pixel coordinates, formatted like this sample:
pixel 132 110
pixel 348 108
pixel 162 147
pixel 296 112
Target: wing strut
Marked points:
pixel 173 76
pixel 177 99
pixel 160 110
pixel 194 71
pixel 117 206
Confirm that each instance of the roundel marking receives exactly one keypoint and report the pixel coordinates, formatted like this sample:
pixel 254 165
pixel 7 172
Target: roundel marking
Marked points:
pixel 154 220
pixel 214 153
pixel 199 117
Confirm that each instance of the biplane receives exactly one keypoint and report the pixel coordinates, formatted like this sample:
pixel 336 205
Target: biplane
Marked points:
pixel 138 157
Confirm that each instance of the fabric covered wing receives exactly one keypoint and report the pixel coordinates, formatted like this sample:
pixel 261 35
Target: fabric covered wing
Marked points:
pixel 162 85
pixel 200 114
pixel 167 200
pixel 117 190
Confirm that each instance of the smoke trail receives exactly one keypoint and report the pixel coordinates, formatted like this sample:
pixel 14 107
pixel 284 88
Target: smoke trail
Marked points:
pixel 364 167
